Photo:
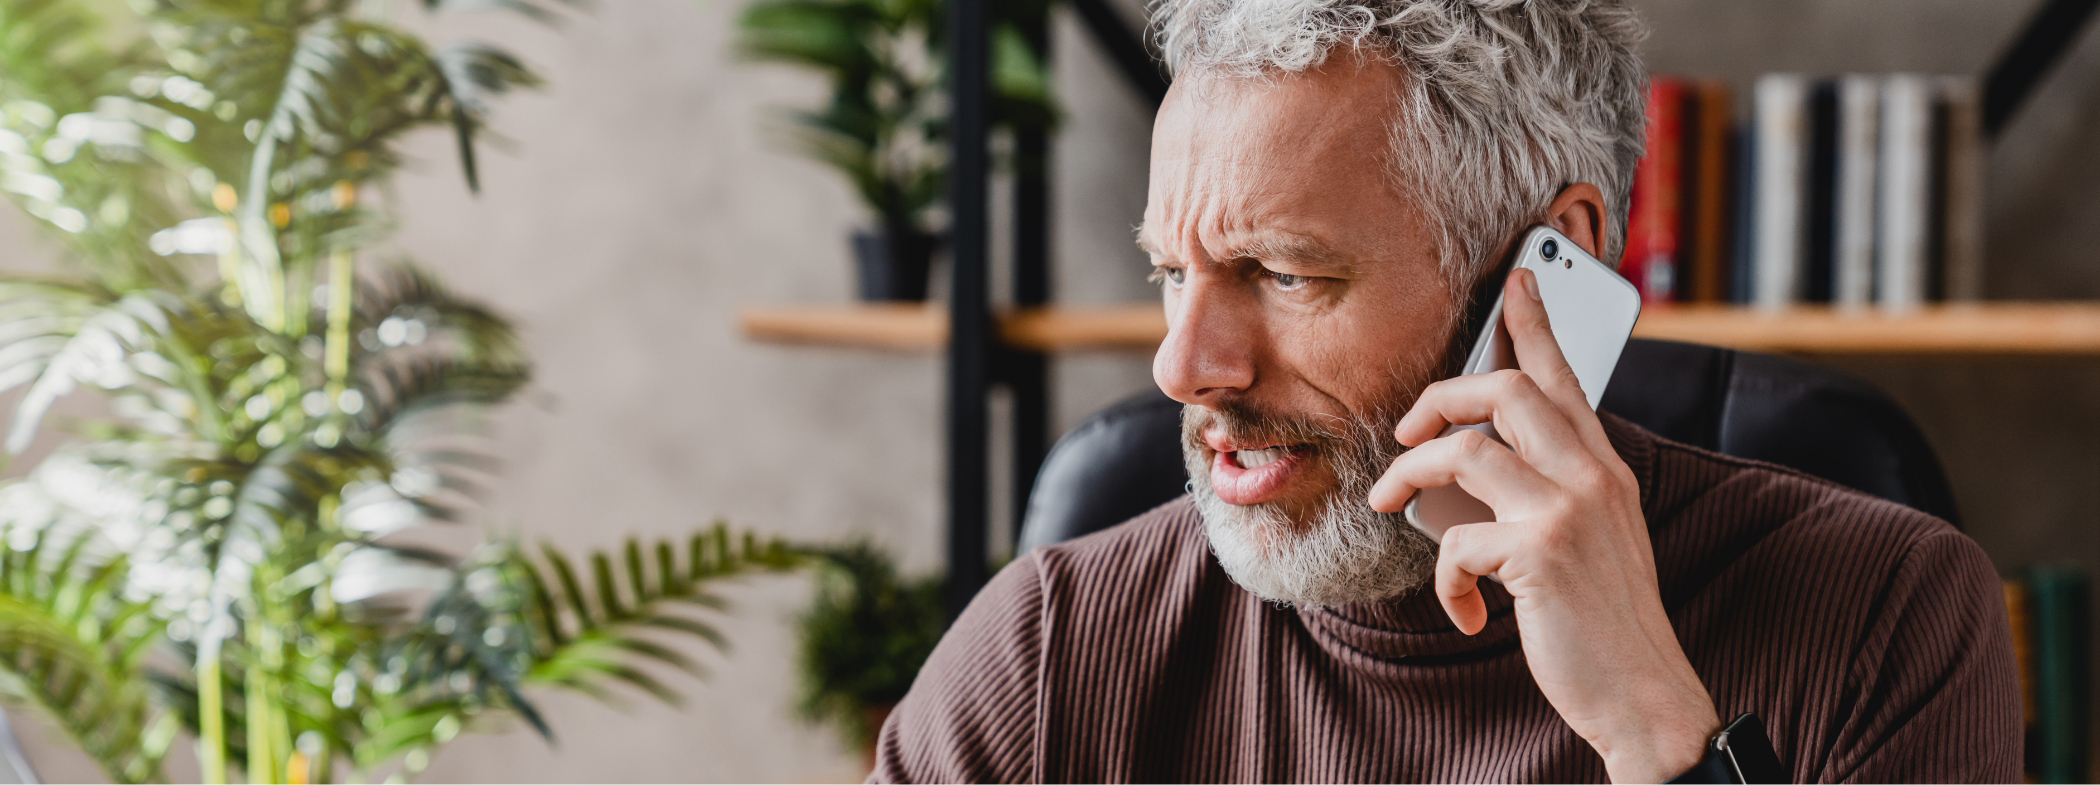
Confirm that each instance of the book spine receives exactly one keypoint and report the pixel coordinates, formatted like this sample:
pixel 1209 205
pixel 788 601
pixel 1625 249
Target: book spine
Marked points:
pixel 1961 162
pixel 1742 229
pixel 1905 211
pixel 1776 237
pixel 2059 608
pixel 1859 131
pixel 1707 188
pixel 1652 221
pixel 2016 604
pixel 1820 222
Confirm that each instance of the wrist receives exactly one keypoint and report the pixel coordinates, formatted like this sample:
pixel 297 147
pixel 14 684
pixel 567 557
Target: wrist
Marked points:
pixel 1663 723
pixel 1655 746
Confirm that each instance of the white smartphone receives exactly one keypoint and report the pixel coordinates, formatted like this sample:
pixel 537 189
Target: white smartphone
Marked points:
pixel 1592 309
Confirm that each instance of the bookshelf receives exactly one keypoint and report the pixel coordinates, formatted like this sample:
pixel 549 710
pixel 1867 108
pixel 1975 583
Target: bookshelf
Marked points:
pixel 2001 328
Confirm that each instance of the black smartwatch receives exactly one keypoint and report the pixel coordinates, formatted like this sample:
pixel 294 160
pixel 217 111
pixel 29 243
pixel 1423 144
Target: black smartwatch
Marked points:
pixel 1740 753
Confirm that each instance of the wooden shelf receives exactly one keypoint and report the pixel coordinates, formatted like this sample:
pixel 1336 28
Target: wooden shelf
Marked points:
pixel 2022 328
pixel 914 327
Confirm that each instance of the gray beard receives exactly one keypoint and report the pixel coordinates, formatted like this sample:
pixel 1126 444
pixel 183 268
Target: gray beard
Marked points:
pixel 1347 553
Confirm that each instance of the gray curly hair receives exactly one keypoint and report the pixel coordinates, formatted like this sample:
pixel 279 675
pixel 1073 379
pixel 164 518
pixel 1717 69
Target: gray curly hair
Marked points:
pixel 1507 101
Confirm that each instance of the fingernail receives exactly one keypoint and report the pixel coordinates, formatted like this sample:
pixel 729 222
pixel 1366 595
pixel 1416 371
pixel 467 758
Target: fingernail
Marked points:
pixel 1531 285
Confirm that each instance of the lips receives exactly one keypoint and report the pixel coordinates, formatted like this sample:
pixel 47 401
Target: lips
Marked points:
pixel 1252 475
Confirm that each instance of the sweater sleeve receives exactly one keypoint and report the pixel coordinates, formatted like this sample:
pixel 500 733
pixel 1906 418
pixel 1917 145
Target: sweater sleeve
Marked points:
pixel 1935 694
pixel 971 714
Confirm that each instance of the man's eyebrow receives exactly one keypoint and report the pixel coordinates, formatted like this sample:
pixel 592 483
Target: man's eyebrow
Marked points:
pixel 1292 247
pixel 1283 246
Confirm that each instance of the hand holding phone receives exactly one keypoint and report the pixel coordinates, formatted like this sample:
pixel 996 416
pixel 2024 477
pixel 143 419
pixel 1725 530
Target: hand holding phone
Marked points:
pixel 1592 310
pixel 1569 542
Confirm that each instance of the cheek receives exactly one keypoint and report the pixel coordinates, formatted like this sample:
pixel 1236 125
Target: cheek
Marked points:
pixel 1367 357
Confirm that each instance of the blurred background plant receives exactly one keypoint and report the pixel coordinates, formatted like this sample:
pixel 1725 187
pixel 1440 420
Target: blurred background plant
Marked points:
pixel 222 552
pixel 864 639
pixel 884 126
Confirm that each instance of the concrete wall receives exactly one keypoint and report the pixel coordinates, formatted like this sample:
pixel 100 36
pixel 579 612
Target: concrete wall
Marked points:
pixel 643 197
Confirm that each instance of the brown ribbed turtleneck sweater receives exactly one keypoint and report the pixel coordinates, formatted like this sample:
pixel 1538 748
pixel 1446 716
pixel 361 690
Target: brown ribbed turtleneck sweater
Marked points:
pixel 1869 637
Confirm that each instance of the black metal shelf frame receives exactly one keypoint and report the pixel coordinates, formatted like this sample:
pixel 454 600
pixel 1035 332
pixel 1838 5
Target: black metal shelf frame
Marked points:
pixel 975 361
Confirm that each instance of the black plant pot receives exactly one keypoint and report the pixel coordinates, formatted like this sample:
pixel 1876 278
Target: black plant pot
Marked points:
pixel 892 264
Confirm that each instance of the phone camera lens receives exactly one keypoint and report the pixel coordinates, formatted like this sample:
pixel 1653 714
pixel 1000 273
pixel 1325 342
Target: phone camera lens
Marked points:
pixel 1550 249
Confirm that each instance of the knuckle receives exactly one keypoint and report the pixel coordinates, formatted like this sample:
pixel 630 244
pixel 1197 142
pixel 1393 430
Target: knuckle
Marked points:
pixel 1598 481
pixel 1455 540
pixel 1509 380
pixel 1626 485
pixel 1553 538
pixel 1472 443
pixel 1591 480
pixel 1521 384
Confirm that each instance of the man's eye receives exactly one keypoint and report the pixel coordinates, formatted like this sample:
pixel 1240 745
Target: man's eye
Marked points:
pixel 1288 282
pixel 1173 275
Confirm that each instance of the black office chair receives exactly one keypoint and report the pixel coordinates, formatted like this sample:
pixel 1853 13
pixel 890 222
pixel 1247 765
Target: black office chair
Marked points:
pixel 1126 459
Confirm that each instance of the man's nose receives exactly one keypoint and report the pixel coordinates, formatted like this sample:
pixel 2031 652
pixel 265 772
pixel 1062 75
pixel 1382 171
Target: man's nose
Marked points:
pixel 1209 351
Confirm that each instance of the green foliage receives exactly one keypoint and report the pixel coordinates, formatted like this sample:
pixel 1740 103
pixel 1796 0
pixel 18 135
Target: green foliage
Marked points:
pixel 74 646
pixel 585 637
pixel 217 553
pixel 884 125
pixel 864 638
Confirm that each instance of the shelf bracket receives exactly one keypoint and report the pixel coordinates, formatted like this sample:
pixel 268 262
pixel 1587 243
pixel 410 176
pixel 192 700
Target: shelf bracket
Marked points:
pixel 2047 36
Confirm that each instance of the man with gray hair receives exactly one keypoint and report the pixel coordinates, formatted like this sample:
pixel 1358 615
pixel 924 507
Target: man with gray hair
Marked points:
pixel 1334 185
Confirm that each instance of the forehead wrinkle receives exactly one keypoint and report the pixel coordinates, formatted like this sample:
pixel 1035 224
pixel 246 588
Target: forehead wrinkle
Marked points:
pixel 1226 200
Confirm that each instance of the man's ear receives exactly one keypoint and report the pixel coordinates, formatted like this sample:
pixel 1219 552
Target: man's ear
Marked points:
pixel 1578 212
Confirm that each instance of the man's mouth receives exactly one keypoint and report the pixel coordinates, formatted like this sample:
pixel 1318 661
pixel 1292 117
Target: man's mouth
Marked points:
pixel 1255 475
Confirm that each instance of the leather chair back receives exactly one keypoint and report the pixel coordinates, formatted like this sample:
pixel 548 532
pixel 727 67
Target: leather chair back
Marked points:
pixel 1126 459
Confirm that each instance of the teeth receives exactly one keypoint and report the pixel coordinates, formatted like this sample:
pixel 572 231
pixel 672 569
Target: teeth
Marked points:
pixel 1250 459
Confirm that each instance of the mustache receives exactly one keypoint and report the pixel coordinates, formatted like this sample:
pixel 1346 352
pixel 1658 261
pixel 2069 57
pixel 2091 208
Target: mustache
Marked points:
pixel 1247 423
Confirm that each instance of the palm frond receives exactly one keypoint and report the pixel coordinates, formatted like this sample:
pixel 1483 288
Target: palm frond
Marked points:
pixel 206 160
pixel 72 644
pixel 95 351
pixel 472 74
pixel 398 389
pixel 475 635
pixel 473 333
pixel 586 639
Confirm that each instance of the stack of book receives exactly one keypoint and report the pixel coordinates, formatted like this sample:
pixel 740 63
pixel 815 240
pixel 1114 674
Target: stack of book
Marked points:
pixel 2051 611
pixel 1856 190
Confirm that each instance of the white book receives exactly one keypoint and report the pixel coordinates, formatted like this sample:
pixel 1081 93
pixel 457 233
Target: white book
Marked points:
pixel 1859 140
pixel 1961 206
pixel 1903 242
pixel 1780 117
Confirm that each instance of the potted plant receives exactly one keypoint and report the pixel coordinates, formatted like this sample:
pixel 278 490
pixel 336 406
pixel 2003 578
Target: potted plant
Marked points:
pixel 884 125
pixel 219 553
pixel 863 640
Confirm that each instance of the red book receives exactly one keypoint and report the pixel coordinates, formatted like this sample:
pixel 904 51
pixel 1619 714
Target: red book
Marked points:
pixel 1653 222
pixel 1702 247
